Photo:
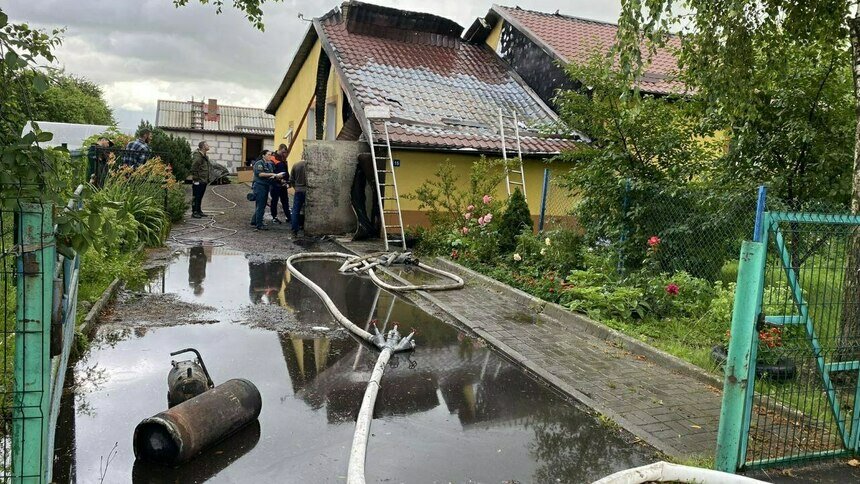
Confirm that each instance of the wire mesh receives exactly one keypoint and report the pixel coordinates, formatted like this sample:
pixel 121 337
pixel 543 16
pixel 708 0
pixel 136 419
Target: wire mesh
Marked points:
pixel 699 231
pixel 805 404
pixel 558 206
pixel 24 387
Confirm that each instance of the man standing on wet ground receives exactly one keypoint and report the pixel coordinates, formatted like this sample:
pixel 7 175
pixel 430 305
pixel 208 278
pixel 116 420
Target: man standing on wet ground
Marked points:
pixel 299 182
pixel 279 188
pixel 264 176
pixel 201 170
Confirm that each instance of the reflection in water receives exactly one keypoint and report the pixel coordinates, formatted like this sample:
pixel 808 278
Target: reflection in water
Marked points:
pixel 206 465
pixel 467 412
pixel 197 259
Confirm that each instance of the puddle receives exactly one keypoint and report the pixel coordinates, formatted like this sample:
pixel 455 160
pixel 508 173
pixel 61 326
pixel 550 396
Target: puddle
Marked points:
pixel 452 411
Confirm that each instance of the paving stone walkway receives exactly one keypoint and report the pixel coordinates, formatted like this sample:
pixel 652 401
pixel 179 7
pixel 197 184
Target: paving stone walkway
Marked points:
pixel 674 412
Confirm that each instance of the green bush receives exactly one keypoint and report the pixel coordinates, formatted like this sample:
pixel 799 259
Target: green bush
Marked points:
pixel 175 151
pixel 515 219
pixel 177 205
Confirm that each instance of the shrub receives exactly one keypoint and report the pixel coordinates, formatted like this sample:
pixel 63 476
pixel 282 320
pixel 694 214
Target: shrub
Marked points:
pixel 177 205
pixel 515 219
pixel 444 196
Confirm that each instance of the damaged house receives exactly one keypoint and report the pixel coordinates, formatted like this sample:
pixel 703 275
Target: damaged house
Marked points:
pixel 537 45
pixel 440 94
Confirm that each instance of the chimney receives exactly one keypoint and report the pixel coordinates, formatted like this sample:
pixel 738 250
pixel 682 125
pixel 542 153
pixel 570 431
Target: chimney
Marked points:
pixel 212 110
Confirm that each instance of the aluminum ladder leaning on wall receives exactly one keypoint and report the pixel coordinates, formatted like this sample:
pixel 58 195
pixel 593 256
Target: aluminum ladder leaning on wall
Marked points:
pixel 510 184
pixel 380 150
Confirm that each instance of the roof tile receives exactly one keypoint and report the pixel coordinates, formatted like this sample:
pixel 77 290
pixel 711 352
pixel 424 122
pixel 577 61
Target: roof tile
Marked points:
pixel 441 94
pixel 575 39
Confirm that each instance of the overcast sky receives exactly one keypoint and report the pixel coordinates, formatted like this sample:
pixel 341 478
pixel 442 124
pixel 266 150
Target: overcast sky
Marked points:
pixel 140 51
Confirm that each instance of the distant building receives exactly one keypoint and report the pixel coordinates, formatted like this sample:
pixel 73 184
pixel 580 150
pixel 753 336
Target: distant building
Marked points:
pixel 235 134
pixel 70 135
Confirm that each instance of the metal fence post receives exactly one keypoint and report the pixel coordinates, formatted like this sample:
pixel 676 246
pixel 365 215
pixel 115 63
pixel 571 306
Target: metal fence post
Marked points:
pixel 31 405
pixel 759 213
pixel 543 199
pixel 737 382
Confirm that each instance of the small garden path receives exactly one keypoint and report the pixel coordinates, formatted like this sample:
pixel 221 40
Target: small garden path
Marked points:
pixel 673 412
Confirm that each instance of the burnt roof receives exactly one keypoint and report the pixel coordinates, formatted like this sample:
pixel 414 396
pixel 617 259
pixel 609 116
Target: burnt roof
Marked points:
pixel 572 39
pixel 441 92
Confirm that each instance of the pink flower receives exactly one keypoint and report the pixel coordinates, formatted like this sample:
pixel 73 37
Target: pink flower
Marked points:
pixel 488 218
pixel 481 221
pixel 465 230
pixel 654 241
pixel 672 289
pixel 468 215
pixel 470 208
pixel 487 199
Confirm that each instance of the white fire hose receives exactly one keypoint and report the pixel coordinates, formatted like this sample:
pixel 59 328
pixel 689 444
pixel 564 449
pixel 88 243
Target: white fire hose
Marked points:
pixel 388 344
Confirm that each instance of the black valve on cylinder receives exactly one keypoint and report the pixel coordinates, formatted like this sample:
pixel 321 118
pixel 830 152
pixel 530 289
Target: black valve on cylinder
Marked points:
pixel 187 378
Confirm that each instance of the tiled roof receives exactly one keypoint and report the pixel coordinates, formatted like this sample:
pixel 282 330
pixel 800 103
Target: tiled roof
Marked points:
pixel 572 39
pixel 441 92
pixel 191 116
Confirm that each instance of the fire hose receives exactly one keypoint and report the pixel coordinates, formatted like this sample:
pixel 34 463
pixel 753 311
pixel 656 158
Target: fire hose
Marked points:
pixel 388 343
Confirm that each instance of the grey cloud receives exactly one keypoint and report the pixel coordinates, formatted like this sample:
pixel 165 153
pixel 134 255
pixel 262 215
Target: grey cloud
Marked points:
pixel 116 41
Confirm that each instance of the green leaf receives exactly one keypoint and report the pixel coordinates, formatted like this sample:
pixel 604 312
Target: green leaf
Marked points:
pixel 11 59
pixel 40 83
pixel 44 136
pixel 4 19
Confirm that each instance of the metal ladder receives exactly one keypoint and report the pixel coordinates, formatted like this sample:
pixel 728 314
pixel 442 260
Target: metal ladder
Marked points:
pixel 518 169
pixel 390 228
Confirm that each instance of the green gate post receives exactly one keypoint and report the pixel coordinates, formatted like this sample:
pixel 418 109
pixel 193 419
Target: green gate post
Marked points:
pixel 31 406
pixel 737 370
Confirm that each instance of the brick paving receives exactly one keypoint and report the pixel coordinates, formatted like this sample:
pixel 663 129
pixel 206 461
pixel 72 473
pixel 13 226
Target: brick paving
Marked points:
pixel 674 412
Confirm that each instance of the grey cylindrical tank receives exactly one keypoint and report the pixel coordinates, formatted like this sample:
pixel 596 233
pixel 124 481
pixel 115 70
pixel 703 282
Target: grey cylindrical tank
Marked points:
pixel 181 432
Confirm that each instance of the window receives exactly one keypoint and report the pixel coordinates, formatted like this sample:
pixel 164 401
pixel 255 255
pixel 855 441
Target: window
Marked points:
pixel 330 120
pixel 311 122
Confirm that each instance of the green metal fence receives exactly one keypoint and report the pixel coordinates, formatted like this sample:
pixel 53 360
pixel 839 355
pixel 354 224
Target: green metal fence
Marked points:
pixel 39 304
pixel 793 374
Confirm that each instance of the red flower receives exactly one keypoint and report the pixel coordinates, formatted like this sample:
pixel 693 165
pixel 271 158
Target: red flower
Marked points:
pixel 654 241
pixel 672 289
pixel 454 254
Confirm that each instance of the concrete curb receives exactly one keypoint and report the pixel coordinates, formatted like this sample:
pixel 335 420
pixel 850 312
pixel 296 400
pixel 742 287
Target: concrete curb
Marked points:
pixel 92 316
pixel 590 326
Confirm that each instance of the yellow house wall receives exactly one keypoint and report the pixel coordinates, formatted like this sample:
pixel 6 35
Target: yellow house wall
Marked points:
pixel 334 93
pixel 495 35
pixel 418 166
pixel 295 103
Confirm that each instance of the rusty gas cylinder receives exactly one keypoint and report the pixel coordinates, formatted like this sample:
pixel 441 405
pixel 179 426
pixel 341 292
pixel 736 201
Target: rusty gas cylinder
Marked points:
pixel 181 432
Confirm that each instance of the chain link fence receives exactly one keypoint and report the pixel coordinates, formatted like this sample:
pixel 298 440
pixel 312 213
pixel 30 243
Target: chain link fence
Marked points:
pixel 698 232
pixel 807 353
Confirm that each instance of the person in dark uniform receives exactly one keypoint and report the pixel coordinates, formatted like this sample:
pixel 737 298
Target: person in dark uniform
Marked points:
pixel 279 188
pixel 264 176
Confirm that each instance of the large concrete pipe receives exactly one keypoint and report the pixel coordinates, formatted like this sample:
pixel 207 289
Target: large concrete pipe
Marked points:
pixel 181 432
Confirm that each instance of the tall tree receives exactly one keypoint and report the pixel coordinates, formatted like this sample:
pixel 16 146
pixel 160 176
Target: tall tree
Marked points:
pixel 725 46
pixel 72 99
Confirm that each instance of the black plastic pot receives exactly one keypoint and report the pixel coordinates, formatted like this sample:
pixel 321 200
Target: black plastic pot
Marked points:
pixel 783 370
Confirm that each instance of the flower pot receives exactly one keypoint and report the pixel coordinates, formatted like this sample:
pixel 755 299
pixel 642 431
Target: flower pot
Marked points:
pixel 783 370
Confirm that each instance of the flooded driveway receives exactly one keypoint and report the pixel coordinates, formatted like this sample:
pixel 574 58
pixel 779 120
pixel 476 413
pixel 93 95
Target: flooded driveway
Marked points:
pixel 453 411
